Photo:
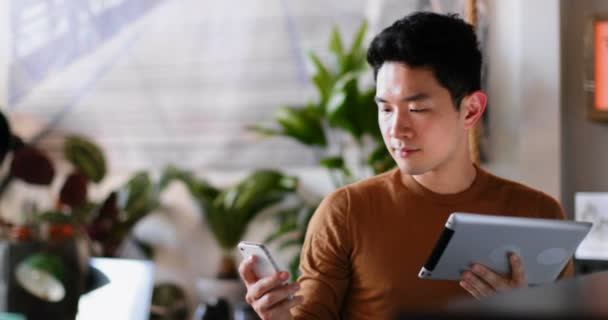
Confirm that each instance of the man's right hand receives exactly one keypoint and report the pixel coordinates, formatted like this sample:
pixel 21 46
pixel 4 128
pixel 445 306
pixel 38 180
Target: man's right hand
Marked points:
pixel 270 297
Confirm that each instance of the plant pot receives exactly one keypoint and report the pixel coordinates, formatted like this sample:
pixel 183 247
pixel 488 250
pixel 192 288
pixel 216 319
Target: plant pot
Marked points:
pixel 25 259
pixel 210 289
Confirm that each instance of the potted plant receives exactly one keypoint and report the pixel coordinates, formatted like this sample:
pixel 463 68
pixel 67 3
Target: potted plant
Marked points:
pixel 228 212
pixel 45 260
pixel 47 256
pixel 343 118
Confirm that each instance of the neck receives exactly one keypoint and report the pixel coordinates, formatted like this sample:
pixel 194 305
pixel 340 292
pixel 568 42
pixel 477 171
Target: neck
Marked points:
pixel 448 181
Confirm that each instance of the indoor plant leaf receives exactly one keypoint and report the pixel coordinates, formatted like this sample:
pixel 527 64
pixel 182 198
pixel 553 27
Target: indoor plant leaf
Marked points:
pixel 137 197
pixel 200 189
pixel 366 115
pixel 234 208
pixel 283 229
pixel 302 124
pixel 32 166
pixel 340 106
pixel 336 46
pixel 322 78
pixel 85 155
pixel 355 58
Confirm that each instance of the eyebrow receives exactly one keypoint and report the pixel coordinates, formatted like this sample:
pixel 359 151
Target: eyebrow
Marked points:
pixel 416 97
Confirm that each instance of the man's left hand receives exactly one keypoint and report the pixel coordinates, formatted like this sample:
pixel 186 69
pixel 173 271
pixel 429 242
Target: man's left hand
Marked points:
pixel 482 282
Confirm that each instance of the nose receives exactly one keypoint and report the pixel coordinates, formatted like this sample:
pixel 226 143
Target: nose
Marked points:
pixel 401 126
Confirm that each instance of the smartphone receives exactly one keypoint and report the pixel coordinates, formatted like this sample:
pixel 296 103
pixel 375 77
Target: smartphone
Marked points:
pixel 264 265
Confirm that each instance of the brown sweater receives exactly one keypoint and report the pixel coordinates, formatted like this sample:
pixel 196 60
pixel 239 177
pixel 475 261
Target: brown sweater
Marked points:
pixel 367 241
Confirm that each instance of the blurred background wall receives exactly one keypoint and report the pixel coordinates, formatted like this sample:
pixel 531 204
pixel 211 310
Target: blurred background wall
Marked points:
pixel 585 143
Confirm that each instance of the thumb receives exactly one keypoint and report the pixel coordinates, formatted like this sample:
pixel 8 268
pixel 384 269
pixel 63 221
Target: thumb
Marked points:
pixel 246 271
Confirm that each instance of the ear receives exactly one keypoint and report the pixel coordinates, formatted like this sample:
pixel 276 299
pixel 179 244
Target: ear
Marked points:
pixel 472 107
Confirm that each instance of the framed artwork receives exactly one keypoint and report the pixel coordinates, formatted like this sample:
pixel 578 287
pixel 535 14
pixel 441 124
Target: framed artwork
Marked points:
pixel 596 60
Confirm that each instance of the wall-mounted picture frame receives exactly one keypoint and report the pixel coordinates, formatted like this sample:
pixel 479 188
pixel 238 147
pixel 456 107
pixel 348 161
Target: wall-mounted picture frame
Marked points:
pixel 596 68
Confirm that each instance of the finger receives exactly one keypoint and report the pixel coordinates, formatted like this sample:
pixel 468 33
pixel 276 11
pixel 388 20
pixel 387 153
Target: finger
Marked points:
pixel 276 296
pixel 494 280
pixel 470 289
pixel 518 274
pixel 246 271
pixel 280 309
pixel 478 284
pixel 264 285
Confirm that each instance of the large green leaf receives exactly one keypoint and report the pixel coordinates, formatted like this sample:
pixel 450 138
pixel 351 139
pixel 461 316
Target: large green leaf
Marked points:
pixel 333 163
pixel 354 60
pixel 357 45
pixel 322 78
pixel 336 163
pixel 200 189
pixel 340 108
pixel 282 230
pixel 263 130
pixel 336 45
pixel 234 208
pixel 294 268
pixel 87 156
pixel 137 198
pixel 302 124
pixel 260 184
pixel 366 114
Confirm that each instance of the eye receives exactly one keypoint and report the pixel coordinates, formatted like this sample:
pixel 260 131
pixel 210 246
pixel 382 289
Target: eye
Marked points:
pixel 418 110
pixel 384 109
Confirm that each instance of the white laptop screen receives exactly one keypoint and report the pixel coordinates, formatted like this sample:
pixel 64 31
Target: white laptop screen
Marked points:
pixel 127 295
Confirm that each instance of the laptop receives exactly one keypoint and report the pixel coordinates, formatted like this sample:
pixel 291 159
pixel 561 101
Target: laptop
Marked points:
pixel 124 290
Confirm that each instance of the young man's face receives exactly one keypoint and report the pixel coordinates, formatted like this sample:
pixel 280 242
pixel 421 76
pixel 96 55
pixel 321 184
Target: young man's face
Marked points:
pixel 420 125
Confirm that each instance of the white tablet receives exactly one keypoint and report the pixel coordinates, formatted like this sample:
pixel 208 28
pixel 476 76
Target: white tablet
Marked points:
pixel 544 245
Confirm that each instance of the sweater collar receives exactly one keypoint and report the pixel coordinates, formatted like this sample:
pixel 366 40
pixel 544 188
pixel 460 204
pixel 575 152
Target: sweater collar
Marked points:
pixel 469 194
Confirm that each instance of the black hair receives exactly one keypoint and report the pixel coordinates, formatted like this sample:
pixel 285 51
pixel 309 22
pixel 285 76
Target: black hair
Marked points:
pixel 444 43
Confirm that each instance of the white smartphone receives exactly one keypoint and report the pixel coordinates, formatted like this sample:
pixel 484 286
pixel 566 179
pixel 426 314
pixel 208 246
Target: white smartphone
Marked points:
pixel 265 265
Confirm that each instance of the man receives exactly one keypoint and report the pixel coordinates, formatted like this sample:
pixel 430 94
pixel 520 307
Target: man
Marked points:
pixel 367 241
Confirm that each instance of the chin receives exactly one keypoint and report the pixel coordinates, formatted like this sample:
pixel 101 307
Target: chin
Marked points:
pixel 411 169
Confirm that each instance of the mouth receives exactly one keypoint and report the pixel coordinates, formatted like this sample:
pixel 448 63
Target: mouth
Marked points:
pixel 404 152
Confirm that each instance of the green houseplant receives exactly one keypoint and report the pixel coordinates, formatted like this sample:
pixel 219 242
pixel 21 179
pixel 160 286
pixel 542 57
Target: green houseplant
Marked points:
pixel 229 211
pixel 343 116
pixel 47 256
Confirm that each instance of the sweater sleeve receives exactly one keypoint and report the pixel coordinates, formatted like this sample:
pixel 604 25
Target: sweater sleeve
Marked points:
pixel 325 260
pixel 550 208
